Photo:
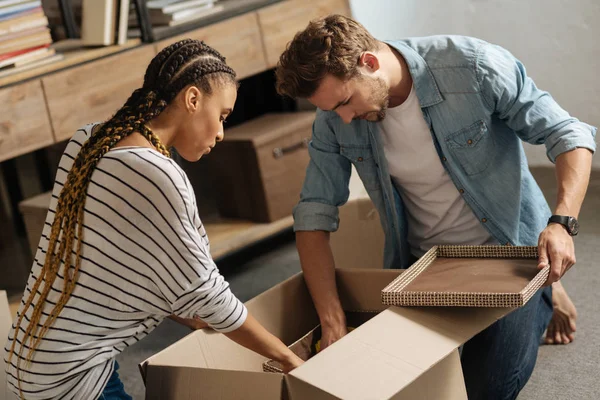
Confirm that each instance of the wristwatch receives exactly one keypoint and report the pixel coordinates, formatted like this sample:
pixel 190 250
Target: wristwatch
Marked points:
pixel 570 223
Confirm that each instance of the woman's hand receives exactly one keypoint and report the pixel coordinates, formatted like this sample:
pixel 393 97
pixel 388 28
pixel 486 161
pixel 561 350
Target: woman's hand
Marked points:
pixel 291 362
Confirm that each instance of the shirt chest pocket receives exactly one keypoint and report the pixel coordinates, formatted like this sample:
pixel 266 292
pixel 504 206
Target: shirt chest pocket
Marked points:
pixel 472 147
pixel 363 160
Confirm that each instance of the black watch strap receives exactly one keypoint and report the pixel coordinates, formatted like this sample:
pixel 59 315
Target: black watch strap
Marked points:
pixel 570 223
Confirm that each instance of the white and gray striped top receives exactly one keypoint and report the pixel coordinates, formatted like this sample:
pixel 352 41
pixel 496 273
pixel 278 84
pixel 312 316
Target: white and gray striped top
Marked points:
pixel 145 256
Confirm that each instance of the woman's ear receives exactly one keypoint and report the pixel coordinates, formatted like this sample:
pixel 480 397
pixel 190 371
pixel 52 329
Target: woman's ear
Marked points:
pixel 193 99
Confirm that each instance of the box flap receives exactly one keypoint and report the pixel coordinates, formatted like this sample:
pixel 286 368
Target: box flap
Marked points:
pixel 286 310
pixel 393 349
pixel 360 289
pixel 183 383
pixel 443 381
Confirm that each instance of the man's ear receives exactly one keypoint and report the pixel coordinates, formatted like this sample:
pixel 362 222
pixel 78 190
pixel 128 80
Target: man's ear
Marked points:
pixel 369 61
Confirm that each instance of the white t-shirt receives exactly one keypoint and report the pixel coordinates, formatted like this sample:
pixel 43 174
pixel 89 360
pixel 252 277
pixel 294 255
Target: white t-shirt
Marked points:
pixel 437 213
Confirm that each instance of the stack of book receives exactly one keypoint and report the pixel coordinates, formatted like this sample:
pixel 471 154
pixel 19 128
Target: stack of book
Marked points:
pixel 179 12
pixel 24 36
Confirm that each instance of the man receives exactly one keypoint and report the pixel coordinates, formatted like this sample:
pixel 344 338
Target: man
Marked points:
pixel 434 128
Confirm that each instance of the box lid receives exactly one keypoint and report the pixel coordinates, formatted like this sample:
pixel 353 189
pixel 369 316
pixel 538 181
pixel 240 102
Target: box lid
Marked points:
pixel 388 353
pixel 469 276
pixel 269 127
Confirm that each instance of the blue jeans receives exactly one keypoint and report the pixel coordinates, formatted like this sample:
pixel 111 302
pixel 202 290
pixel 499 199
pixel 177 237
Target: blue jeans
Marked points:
pixel 498 362
pixel 114 389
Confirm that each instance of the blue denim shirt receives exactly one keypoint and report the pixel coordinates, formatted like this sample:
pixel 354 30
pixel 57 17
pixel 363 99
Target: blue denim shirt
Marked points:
pixel 479 105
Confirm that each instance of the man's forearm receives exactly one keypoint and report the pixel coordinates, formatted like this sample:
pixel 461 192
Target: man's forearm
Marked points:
pixel 318 266
pixel 573 175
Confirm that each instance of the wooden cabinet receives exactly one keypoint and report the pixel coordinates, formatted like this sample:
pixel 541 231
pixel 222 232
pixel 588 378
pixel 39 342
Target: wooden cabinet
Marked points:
pixel 280 22
pixel 94 91
pixel 260 166
pixel 238 39
pixel 24 124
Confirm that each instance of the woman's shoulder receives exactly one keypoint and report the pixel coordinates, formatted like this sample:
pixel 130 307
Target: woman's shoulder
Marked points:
pixel 147 164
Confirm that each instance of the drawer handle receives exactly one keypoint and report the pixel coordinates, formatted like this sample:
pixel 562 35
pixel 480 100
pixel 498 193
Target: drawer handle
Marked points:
pixel 279 152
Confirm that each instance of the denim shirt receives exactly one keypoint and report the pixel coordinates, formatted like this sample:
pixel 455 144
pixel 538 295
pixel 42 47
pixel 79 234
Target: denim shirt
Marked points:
pixel 479 105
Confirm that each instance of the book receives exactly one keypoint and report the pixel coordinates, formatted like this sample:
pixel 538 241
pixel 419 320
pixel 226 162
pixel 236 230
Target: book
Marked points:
pixel 19 52
pixel 27 57
pixel 36 64
pixel 23 22
pixel 15 35
pixel 18 8
pixel 98 22
pixel 169 7
pixel 26 42
pixel 124 7
pixel 195 17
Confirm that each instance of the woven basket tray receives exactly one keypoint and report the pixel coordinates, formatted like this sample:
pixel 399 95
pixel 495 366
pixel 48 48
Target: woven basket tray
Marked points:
pixel 469 276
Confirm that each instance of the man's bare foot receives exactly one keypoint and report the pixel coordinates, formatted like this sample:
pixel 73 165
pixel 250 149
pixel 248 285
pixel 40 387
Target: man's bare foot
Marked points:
pixel 562 327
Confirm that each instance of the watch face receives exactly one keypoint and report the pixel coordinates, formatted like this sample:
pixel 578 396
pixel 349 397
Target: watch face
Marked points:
pixel 573 226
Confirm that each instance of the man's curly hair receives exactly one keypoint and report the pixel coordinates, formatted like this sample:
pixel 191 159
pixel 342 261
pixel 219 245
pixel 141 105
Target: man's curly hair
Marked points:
pixel 330 45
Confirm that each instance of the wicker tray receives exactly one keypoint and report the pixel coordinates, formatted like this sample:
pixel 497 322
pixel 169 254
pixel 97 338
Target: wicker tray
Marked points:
pixel 469 276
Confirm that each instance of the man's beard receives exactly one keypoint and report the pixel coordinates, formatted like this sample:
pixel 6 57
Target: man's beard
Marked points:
pixel 380 96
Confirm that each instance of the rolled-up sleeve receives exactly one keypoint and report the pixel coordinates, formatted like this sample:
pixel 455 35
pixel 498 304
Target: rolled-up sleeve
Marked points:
pixel 532 113
pixel 326 183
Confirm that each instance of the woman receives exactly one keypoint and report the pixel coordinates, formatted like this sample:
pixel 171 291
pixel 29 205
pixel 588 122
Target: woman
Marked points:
pixel 124 239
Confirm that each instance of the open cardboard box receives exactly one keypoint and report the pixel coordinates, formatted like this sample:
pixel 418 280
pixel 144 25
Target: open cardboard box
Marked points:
pixel 5 325
pixel 359 241
pixel 401 353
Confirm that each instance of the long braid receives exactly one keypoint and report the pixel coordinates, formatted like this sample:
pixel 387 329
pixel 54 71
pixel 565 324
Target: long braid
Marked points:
pixel 175 67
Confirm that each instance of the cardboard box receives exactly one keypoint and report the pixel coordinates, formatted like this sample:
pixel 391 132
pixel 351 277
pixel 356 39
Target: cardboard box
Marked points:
pixel 5 325
pixel 260 166
pixel 359 241
pixel 34 211
pixel 401 353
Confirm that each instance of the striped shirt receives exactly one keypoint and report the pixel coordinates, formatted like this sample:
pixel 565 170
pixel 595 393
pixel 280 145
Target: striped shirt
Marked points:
pixel 145 256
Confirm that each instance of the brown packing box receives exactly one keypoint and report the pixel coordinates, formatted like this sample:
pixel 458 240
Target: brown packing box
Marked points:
pixel 260 166
pixel 401 353
pixel 34 211
pixel 5 324
pixel 358 243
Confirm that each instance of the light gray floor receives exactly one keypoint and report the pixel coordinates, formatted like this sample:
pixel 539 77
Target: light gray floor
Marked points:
pixel 563 372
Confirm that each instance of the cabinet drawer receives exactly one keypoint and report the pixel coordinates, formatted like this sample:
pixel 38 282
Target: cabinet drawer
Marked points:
pixel 238 39
pixel 280 22
pixel 95 91
pixel 24 124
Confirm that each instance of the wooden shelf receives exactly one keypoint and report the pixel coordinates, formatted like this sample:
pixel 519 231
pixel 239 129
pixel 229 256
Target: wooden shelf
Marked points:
pixel 226 235
pixel 230 235
pixel 75 53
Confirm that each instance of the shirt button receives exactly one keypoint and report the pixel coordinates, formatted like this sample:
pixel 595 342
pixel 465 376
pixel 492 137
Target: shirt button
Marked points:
pixel 507 243
pixel 360 158
pixel 469 141
pixel 444 159
pixel 461 191
pixel 483 219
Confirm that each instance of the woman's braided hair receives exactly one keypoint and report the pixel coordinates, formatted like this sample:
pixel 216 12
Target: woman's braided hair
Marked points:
pixel 187 62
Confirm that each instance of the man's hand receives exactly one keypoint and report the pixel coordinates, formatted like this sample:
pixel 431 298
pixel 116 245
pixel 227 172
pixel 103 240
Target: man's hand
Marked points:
pixel 332 333
pixel 556 247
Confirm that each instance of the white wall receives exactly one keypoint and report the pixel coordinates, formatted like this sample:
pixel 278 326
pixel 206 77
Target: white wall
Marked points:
pixel 557 40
